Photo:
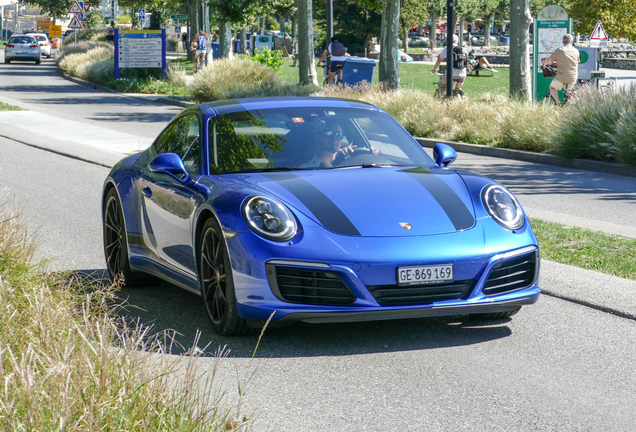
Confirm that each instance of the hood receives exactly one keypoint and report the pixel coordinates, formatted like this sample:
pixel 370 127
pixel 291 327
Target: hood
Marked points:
pixel 375 202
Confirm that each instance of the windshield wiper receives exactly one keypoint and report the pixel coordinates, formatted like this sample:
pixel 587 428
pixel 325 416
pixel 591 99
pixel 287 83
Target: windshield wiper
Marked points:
pixel 257 170
pixel 375 165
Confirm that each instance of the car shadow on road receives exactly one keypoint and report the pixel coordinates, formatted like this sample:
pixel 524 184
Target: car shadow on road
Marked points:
pixel 175 311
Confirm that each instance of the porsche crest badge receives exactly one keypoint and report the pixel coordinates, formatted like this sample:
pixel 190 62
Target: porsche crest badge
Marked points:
pixel 405 225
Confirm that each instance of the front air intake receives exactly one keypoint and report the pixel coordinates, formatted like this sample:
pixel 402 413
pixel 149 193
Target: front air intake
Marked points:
pixel 512 274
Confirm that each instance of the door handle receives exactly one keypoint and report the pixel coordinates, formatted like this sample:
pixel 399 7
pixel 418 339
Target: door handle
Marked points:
pixel 146 191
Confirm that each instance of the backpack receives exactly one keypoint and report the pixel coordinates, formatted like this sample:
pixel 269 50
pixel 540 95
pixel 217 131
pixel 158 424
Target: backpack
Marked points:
pixel 460 58
pixel 338 49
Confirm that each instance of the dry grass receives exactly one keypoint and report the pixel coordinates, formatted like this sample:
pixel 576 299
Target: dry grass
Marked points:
pixel 489 120
pixel 90 61
pixel 239 77
pixel 67 363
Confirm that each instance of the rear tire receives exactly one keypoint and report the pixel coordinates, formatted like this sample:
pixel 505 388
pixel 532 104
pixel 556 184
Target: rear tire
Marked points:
pixel 7 61
pixel 38 61
pixel 116 244
pixel 217 283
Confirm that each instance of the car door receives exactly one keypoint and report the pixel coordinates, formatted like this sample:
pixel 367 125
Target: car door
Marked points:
pixel 168 201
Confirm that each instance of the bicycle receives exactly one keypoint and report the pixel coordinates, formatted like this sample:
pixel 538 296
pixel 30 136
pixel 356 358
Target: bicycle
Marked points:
pixel 579 88
pixel 457 92
pixel 608 86
pixel 337 81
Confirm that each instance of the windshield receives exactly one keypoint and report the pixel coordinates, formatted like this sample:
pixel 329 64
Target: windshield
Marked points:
pixel 22 40
pixel 309 138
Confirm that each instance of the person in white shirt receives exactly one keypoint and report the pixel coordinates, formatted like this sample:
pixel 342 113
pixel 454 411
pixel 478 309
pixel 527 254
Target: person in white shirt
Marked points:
pixel 459 74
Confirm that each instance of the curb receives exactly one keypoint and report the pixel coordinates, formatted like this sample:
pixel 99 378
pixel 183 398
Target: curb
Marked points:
pixel 542 158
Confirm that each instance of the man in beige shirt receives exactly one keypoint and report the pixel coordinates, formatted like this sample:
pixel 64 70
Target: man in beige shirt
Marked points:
pixel 567 60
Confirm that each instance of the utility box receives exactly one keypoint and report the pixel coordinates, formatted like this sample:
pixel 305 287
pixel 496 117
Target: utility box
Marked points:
pixel 262 41
pixel 357 70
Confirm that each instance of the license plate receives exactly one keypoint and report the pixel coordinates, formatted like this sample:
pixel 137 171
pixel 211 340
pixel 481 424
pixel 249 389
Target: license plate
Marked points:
pixel 422 275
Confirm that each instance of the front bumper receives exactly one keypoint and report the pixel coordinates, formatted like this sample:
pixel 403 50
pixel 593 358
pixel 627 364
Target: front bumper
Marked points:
pixel 365 274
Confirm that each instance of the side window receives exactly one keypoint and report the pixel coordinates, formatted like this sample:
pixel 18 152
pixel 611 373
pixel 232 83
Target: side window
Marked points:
pixel 183 138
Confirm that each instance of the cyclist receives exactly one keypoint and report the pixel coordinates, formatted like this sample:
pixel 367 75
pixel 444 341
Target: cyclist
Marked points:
pixel 200 44
pixel 567 59
pixel 460 61
pixel 338 57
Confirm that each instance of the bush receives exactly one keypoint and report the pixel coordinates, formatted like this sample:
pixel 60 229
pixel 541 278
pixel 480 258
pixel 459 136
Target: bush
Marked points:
pixel 238 77
pixel 90 61
pixel 269 58
pixel 599 126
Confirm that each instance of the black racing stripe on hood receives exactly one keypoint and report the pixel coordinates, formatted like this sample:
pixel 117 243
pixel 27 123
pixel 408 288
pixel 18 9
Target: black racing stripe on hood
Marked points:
pixel 327 213
pixel 460 215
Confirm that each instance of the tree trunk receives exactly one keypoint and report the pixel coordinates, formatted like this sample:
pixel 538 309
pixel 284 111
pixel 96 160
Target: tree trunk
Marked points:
pixel 520 78
pixel 306 67
pixel 487 30
pixel 294 25
pixel 225 39
pixel 405 38
pixel 281 23
pixel 460 29
pixel 243 47
pixel 389 73
pixel 194 26
pixel 433 31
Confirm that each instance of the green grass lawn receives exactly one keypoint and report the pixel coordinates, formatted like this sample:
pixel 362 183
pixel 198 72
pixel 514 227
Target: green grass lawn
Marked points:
pixel 419 76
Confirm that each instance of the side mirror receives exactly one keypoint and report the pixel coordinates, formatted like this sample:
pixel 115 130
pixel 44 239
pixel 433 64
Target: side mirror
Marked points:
pixel 169 163
pixel 444 154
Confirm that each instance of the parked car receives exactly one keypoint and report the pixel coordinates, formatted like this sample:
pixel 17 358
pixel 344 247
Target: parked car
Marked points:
pixel 237 201
pixel 22 47
pixel 44 42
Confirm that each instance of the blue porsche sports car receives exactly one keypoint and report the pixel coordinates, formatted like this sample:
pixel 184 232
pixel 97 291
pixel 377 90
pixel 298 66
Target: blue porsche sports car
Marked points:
pixel 315 210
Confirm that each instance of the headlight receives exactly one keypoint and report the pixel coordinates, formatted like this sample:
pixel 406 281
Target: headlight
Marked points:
pixel 269 218
pixel 503 207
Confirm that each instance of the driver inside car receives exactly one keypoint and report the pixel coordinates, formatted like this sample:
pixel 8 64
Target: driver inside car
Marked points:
pixel 330 152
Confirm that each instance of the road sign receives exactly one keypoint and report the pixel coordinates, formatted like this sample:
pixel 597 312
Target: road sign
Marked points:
pixel 75 23
pixel 87 8
pixel 142 15
pixel 55 31
pixel 179 17
pixel 75 8
pixel 598 39
pixel 177 29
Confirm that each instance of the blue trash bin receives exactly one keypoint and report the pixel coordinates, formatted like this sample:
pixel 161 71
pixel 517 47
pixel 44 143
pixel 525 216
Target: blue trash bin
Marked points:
pixel 215 50
pixel 358 69
pixel 505 40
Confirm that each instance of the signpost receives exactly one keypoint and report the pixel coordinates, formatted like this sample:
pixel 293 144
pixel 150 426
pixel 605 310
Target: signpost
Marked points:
pixel 549 27
pixel 142 16
pixel 599 37
pixel 140 49
pixel 55 31
pixel 179 17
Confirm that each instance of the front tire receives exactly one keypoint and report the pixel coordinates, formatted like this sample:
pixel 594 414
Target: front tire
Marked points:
pixel 116 243
pixel 217 283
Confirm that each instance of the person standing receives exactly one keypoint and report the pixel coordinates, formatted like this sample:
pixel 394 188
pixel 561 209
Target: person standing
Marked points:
pixel 567 59
pixel 338 57
pixel 184 41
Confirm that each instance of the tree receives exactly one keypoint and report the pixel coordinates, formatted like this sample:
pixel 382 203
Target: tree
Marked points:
pixel 412 12
pixel 435 9
pixel 306 68
pixel 520 78
pixel 53 8
pixel 388 70
pixel 488 8
pixel 618 16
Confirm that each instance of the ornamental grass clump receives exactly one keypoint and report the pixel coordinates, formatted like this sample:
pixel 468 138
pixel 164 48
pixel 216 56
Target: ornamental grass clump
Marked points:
pixel 90 61
pixel 599 126
pixel 238 77
pixel 68 363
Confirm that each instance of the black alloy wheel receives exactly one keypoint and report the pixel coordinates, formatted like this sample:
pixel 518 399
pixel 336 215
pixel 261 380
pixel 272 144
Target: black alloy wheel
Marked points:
pixel 217 284
pixel 115 243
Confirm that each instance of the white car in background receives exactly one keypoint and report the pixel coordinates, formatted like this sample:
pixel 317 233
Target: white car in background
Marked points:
pixel 44 42
pixel 22 47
